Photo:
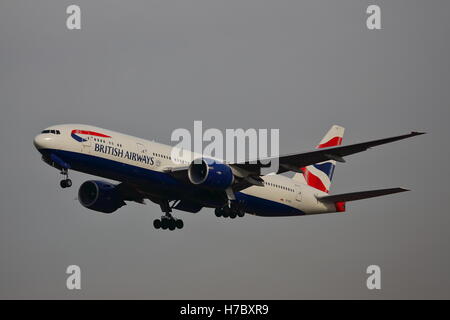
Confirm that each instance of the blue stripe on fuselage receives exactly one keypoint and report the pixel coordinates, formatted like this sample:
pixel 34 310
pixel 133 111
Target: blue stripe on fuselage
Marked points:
pixel 264 207
pixel 161 182
pixel 79 139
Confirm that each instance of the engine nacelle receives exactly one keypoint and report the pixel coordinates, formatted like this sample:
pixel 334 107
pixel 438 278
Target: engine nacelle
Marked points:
pixel 100 196
pixel 210 173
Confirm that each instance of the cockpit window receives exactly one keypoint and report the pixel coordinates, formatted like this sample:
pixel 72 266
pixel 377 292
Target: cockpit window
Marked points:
pixel 51 131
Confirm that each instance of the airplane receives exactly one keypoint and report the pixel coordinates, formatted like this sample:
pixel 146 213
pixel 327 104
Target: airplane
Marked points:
pixel 145 169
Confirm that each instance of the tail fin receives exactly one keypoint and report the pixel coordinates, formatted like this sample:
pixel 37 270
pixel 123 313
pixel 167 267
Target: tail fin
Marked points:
pixel 320 174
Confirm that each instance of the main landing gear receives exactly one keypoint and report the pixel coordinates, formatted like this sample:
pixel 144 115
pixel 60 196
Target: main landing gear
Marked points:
pixel 167 221
pixel 232 211
pixel 65 183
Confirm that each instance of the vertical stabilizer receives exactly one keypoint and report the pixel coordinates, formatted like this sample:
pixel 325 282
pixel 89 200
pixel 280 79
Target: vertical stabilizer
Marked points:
pixel 320 174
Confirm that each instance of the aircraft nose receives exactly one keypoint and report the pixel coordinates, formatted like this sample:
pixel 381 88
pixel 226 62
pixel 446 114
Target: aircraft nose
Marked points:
pixel 42 141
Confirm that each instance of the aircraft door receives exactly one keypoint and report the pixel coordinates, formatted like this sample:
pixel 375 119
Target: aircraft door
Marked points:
pixel 86 145
pixel 298 193
pixel 141 148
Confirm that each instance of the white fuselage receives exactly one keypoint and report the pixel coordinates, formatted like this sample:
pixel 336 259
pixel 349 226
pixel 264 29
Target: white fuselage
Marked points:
pixel 119 151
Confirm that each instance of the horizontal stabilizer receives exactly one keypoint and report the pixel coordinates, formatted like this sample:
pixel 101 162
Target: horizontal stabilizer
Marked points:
pixel 360 195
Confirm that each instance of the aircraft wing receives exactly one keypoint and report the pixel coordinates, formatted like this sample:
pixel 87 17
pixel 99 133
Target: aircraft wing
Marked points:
pixel 130 192
pixel 296 161
pixel 249 172
pixel 178 172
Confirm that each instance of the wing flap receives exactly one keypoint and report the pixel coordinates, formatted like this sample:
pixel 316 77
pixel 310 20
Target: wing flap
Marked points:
pixel 189 206
pixel 130 192
pixel 180 173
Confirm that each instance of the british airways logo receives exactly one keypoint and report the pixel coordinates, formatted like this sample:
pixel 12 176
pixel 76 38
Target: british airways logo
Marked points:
pixel 120 153
pixel 81 136
pixel 76 135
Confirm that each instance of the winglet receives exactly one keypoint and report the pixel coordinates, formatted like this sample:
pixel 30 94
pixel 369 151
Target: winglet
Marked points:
pixel 417 133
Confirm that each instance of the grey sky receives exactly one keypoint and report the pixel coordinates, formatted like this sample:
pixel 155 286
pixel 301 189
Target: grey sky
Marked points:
pixel 147 67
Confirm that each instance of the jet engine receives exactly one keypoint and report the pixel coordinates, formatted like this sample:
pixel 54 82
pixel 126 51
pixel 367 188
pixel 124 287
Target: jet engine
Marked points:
pixel 210 173
pixel 100 196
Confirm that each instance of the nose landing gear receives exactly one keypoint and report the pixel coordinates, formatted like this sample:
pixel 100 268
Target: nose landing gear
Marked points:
pixel 65 183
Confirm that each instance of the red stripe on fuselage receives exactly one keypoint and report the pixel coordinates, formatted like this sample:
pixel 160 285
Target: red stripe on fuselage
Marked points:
pixel 336 141
pixel 92 133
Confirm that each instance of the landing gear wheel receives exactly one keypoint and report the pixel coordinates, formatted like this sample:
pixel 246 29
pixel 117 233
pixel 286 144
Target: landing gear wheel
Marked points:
pixel 167 221
pixel 233 214
pixel 241 213
pixel 226 212
pixel 179 224
pixel 157 223
pixel 218 212
pixel 66 183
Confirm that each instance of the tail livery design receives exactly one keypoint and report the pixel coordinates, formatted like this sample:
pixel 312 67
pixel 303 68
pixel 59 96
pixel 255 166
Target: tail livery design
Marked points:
pixel 319 175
